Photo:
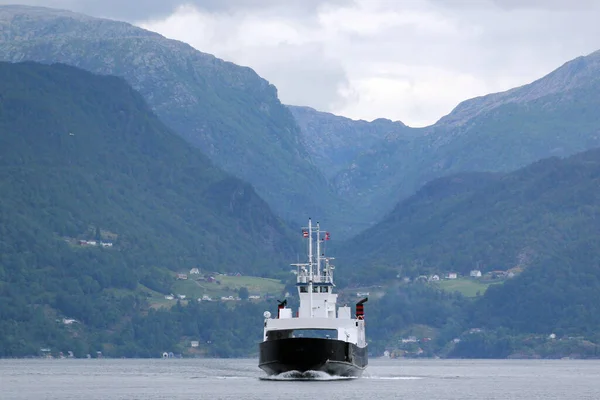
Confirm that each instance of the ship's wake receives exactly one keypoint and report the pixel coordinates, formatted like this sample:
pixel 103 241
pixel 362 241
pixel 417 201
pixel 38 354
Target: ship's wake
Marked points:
pixel 305 376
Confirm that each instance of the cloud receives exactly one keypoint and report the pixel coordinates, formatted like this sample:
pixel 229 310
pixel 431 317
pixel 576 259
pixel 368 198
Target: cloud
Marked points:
pixel 412 60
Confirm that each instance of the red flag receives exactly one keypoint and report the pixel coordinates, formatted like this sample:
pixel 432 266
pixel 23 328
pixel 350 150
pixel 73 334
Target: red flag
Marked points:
pixel 305 233
pixel 327 236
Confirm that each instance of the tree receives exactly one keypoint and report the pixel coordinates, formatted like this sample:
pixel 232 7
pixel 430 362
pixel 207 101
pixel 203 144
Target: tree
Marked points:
pixel 243 293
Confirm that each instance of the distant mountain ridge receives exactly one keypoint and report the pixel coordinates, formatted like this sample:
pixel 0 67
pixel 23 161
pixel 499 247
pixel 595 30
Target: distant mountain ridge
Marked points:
pixel 577 73
pixel 553 116
pixel 226 110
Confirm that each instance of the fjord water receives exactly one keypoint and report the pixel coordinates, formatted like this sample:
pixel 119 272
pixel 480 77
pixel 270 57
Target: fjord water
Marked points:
pixel 240 379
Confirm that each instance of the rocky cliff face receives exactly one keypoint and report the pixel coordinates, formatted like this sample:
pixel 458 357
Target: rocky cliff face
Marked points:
pixel 334 142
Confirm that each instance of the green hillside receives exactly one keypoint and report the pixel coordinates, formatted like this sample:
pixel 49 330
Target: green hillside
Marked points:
pixel 540 221
pixel 495 222
pixel 82 157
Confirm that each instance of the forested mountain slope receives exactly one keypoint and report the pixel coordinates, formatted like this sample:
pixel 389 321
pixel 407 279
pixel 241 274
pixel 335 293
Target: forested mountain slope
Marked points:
pixel 491 221
pixel 82 157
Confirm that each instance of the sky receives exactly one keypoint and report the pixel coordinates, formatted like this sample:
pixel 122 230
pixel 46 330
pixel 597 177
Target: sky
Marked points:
pixel 407 60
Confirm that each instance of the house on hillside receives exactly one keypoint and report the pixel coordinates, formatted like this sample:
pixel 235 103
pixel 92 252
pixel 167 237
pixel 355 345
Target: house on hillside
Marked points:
pixel 475 273
pixel 194 271
pixel 410 339
pixel 84 242
pixel 182 276
pixel 106 244
pixel 452 275
pixel 433 278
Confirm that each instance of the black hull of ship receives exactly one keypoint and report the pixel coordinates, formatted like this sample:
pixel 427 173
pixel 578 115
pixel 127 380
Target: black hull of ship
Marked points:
pixel 334 357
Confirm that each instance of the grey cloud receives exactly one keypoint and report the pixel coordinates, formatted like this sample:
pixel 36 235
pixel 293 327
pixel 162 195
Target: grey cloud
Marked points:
pixel 139 10
pixel 546 4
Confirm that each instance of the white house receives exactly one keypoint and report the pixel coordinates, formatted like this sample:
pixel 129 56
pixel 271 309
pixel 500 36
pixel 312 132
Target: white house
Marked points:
pixel 194 271
pixel 452 275
pixel 182 276
pixel 475 273
pixel 194 343
pixel 84 242
pixel 410 339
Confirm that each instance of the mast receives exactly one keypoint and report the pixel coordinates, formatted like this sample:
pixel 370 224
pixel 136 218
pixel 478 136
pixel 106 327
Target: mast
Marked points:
pixel 310 267
pixel 318 250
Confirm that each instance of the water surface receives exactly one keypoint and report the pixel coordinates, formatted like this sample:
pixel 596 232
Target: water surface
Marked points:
pixel 240 379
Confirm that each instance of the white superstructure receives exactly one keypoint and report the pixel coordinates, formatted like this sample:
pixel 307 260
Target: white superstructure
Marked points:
pixel 318 304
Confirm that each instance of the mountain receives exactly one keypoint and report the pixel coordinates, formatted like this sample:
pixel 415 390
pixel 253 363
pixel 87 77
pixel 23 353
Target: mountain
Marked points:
pixel 334 142
pixel 228 111
pixel 82 157
pixel 494 221
pixel 539 222
pixel 553 116
pixel 80 150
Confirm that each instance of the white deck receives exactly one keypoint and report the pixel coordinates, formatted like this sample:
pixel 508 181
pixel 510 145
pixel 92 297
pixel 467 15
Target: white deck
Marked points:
pixel 309 323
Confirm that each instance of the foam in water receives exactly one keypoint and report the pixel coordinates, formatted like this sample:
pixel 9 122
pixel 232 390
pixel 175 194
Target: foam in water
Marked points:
pixel 394 378
pixel 305 376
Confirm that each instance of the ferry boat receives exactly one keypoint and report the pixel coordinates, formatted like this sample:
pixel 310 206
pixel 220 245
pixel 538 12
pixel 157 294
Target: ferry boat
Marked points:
pixel 319 337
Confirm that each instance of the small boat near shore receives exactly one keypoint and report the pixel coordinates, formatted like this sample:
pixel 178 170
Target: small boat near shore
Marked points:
pixel 321 337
